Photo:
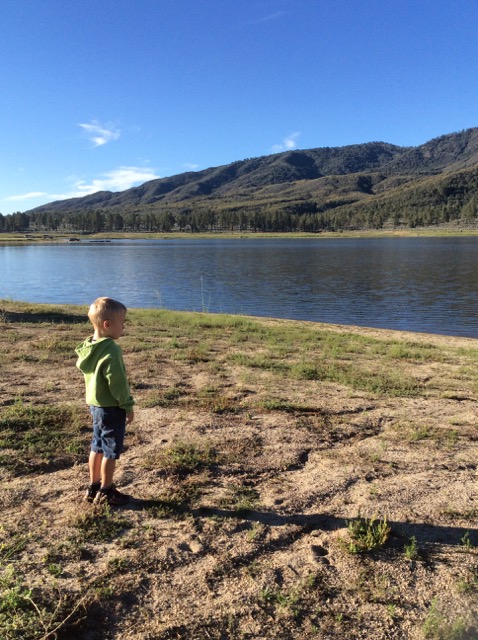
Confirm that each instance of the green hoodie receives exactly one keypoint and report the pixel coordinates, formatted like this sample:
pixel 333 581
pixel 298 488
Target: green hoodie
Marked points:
pixel 105 375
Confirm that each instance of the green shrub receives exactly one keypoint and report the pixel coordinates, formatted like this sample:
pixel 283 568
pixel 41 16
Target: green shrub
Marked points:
pixel 367 535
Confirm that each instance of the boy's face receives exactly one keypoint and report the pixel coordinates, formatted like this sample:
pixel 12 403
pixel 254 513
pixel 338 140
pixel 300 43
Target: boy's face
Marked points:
pixel 114 328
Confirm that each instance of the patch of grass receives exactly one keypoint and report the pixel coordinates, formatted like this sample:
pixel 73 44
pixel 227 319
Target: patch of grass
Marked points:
pixel 100 524
pixel 466 542
pixel 222 404
pixel 17 614
pixel 173 504
pixel 366 535
pixel 306 371
pixel 53 344
pixel 166 398
pixel 240 449
pixel 416 432
pixel 448 438
pixel 39 437
pixel 182 458
pixel 411 549
pixel 213 400
pixel 411 351
pixel 196 354
pixel 382 382
pixel 258 361
pixel 12 543
pixel 55 569
pixel 437 626
pixel 276 404
pixel 466 514
pixel 255 532
pixel 379 382
pixel 392 611
pixel 34 613
pixel 63 552
pixel 281 599
pixel 468 584
pixel 241 498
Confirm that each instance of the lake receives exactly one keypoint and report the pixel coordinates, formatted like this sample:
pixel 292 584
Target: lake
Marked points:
pixel 416 284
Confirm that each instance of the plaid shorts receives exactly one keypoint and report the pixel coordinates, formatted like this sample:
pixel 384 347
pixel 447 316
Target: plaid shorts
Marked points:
pixel 109 426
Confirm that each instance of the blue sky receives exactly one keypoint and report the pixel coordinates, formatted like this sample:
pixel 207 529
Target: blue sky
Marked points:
pixel 107 94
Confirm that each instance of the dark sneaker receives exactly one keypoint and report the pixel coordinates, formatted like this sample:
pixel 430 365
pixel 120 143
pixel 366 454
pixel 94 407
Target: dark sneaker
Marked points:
pixel 91 492
pixel 112 496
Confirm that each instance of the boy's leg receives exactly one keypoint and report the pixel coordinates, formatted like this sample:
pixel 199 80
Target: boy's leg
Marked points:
pixel 95 464
pixel 112 421
pixel 107 472
pixel 108 492
pixel 94 460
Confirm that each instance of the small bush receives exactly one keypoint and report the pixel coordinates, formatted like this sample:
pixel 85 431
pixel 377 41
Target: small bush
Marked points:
pixel 411 549
pixel 367 535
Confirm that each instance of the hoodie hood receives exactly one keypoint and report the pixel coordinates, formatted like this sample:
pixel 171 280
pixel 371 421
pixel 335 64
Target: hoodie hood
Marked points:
pixel 90 353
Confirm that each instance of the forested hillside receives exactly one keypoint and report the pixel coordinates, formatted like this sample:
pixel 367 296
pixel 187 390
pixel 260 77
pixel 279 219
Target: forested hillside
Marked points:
pixel 353 187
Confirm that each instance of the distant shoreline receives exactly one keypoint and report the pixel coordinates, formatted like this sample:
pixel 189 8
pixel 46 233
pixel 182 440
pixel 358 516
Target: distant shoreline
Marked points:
pixel 426 232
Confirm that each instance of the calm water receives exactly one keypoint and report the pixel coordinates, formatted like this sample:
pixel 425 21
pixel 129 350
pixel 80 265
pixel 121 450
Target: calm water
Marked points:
pixel 417 284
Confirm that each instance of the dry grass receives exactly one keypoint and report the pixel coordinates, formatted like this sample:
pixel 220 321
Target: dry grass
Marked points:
pixel 291 480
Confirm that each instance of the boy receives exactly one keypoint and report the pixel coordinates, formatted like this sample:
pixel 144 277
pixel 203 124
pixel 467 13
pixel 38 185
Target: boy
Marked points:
pixel 108 395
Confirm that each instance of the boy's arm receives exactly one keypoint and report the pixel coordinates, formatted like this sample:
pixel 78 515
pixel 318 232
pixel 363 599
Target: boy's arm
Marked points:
pixel 115 374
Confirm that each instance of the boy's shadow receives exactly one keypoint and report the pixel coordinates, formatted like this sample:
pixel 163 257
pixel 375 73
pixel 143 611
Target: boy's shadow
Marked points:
pixel 423 532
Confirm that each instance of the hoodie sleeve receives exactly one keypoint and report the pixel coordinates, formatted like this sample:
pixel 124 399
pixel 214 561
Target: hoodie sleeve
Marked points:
pixel 115 373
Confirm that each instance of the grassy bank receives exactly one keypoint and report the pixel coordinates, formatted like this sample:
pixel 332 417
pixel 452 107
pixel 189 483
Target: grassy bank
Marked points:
pixel 290 480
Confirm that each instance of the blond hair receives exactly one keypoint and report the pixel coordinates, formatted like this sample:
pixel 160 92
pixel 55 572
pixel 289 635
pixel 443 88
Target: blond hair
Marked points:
pixel 104 309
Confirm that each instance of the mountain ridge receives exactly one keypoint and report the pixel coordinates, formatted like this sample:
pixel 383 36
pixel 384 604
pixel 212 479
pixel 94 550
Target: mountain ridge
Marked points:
pixel 288 166
pixel 363 183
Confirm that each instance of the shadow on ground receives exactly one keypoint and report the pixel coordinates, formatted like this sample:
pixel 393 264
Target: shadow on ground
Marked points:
pixel 423 532
pixel 55 317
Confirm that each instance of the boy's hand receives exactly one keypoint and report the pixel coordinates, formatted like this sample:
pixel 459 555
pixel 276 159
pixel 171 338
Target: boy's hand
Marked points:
pixel 129 417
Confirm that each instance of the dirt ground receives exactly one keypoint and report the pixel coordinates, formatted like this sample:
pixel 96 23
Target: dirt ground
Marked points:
pixel 253 538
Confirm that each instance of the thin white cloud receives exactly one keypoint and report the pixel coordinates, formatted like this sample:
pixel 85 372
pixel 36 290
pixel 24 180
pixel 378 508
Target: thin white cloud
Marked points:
pixel 190 165
pixel 99 134
pixel 118 179
pixel 269 18
pixel 25 196
pixel 289 142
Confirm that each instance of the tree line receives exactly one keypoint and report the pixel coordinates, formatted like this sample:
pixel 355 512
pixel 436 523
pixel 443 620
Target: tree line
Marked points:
pixel 185 219
pixel 412 208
